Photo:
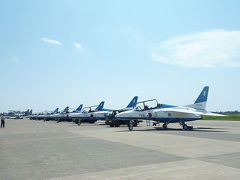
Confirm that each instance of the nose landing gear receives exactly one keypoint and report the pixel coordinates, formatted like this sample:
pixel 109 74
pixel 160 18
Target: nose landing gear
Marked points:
pixel 79 122
pixel 130 126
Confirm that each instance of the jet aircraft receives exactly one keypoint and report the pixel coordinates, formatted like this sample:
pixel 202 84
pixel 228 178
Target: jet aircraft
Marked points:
pixel 100 113
pixel 59 116
pixel 169 113
pixel 43 116
pixel 86 115
pixel 64 116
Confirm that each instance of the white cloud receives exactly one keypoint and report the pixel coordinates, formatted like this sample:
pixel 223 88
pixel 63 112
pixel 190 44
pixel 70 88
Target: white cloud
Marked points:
pixel 204 49
pixel 15 59
pixel 79 46
pixel 51 41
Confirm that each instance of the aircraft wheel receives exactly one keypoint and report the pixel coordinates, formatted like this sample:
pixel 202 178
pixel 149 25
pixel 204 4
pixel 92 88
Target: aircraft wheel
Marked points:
pixel 111 125
pixel 79 122
pixel 135 124
pixel 164 126
pixel 185 127
pixel 130 127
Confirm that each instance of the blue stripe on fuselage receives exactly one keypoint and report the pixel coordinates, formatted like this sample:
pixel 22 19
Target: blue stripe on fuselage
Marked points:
pixel 106 110
pixel 89 118
pixel 167 106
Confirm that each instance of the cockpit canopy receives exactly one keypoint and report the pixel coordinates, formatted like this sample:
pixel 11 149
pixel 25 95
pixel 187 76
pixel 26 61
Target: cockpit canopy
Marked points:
pixel 89 109
pixel 147 105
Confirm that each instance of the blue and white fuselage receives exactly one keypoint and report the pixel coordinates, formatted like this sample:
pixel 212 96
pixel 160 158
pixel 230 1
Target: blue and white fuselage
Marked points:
pixel 162 114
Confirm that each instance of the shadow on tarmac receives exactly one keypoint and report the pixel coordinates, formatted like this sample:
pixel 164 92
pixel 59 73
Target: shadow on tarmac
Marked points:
pixel 200 129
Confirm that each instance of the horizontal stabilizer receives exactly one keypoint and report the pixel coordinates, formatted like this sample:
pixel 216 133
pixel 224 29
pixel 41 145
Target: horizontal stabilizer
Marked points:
pixel 213 114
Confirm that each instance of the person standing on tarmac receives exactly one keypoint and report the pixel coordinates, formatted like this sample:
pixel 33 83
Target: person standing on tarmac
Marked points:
pixel 2 121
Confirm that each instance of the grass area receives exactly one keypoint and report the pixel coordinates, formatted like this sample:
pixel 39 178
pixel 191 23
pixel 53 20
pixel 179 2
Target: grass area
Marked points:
pixel 231 117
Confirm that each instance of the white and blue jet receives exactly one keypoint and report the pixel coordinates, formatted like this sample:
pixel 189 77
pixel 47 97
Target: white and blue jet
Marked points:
pixel 43 116
pixel 99 113
pixel 64 115
pixel 105 114
pixel 86 114
pixel 169 113
pixel 61 115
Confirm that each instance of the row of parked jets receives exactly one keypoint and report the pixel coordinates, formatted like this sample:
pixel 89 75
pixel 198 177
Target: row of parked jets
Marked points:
pixel 136 112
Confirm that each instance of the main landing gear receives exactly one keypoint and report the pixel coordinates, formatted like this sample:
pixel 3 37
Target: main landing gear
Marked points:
pixel 164 126
pixel 185 126
pixel 131 124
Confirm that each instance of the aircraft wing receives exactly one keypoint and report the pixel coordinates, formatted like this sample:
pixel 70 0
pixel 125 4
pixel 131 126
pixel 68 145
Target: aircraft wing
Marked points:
pixel 182 111
pixel 189 111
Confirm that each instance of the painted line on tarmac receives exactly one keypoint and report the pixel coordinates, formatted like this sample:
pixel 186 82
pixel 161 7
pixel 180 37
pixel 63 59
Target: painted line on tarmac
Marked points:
pixel 39 139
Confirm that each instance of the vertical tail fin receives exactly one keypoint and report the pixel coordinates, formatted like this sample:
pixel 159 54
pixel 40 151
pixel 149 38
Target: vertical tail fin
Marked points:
pixel 100 106
pixel 79 108
pixel 66 110
pixel 56 110
pixel 26 113
pixel 201 101
pixel 133 103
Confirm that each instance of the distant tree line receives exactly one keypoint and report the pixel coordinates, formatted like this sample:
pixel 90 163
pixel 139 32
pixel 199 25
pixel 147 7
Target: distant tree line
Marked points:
pixel 229 112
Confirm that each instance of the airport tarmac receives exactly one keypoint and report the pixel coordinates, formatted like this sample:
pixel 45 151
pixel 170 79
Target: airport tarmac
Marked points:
pixel 32 149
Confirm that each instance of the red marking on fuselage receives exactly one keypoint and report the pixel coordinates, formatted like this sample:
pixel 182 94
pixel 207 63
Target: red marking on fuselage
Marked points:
pixel 149 115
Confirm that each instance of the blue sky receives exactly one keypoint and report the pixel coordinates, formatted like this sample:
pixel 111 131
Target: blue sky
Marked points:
pixel 58 53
